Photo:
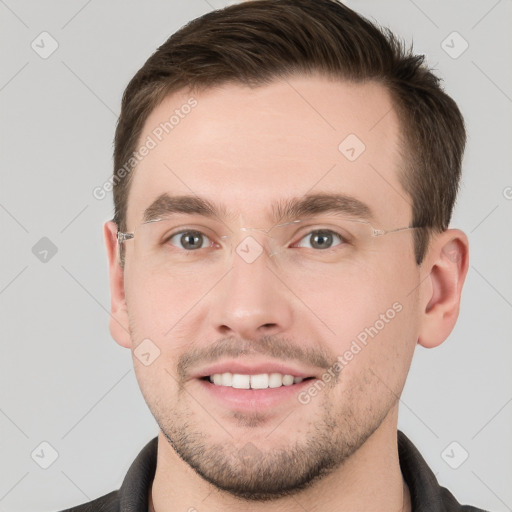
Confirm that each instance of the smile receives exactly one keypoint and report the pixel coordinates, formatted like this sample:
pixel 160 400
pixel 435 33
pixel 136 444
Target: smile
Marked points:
pixel 258 381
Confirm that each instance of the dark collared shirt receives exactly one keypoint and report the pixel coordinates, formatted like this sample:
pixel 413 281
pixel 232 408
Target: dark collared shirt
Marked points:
pixel 426 494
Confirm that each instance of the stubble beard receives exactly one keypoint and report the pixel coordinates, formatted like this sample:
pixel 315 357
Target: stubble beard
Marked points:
pixel 262 472
pixel 256 473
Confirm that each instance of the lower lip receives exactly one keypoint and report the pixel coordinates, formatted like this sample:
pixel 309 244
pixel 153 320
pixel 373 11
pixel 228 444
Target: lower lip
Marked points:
pixel 252 400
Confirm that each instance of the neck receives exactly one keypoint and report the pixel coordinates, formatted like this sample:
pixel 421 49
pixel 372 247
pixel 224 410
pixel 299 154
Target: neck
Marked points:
pixel 370 481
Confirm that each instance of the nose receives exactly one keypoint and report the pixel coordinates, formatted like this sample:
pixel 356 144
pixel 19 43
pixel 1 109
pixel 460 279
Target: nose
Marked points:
pixel 251 300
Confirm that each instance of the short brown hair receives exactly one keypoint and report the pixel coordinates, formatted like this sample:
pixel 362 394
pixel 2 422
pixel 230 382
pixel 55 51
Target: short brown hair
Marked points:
pixel 256 42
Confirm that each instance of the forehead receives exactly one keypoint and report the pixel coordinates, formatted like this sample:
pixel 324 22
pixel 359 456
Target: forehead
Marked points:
pixel 247 148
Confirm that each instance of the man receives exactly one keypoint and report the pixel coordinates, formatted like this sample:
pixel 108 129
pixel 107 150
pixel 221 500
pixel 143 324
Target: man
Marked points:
pixel 284 179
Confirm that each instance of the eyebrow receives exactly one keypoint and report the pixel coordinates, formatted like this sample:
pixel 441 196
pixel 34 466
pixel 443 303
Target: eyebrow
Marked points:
pixel 284 210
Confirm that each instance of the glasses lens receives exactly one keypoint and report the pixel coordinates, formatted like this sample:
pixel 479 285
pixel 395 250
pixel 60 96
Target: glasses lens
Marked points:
pixel 318 245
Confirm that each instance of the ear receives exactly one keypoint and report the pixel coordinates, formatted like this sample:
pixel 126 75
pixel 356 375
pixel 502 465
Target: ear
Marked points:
pixel 447 265
pixel 119 322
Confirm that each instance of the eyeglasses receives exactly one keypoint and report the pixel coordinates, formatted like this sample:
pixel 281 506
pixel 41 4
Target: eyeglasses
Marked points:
pixel 304 245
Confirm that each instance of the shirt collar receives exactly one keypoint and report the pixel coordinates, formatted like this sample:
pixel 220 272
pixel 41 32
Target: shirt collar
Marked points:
pixel 134 492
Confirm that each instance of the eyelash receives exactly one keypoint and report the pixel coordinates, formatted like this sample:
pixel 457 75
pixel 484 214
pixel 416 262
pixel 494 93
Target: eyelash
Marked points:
pixel 342 239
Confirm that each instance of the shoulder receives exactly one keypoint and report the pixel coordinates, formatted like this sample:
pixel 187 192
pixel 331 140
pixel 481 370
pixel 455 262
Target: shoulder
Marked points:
pixel 452 505
pixel 426 493
pixel 107 503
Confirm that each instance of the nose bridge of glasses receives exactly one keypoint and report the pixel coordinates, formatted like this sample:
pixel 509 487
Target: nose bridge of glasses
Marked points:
pixel 250 241
pixel 247 239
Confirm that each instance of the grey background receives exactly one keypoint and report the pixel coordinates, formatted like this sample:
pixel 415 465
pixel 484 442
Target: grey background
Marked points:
pixel 66 382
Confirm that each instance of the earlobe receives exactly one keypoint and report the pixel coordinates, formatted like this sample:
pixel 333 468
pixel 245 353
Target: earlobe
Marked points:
pixel 448 260
pixel 119 322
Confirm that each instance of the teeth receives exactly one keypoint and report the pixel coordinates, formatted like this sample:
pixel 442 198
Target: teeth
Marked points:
pixel 239 381
pixel 260 381
pixel 275 380
pixel 227 379
pixel 287 380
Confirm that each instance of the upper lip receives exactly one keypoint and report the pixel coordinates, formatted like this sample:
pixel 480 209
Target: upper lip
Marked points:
pixel 253 368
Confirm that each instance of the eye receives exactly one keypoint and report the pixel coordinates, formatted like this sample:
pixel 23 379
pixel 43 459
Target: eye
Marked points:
pixel 320 239
pixel 190 240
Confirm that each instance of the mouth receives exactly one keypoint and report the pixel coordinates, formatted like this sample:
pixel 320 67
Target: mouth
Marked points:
pixel 255 385
pixel 254 381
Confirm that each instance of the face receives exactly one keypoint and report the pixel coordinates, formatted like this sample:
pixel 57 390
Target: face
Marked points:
pixel 237 296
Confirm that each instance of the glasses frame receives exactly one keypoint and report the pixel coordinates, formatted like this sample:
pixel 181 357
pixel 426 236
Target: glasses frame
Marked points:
pixel 123 236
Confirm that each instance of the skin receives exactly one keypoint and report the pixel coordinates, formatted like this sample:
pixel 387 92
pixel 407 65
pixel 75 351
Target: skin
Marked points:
pixel 272 143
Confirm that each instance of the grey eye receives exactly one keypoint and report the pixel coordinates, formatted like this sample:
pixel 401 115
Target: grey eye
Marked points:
pixel 189 240
pixel 320 239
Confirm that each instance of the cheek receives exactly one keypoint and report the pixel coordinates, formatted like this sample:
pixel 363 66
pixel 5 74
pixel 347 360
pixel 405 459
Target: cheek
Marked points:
pixel 347 299
pixel 157 383
pixel 156 302
pixel 380 353
pixel 371 314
